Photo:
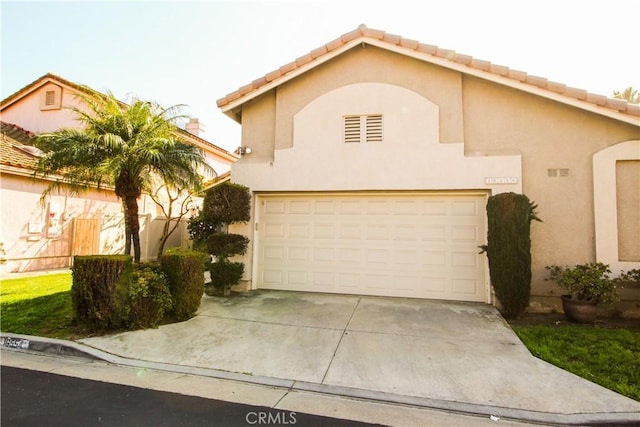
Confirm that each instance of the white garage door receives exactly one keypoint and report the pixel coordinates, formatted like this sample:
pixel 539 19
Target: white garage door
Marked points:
pixel 394 244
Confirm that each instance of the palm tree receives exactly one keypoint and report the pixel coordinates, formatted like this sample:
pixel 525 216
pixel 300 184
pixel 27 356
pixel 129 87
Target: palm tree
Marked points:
pixel 123 147
pixel 629 94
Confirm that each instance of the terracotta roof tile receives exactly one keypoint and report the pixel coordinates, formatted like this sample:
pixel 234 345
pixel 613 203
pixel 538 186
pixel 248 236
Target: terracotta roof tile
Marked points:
pixel 273 75
pixel 371 32
pixel 633 109
pixel 481 64
pixel 500 70
pixel 557 87
pixel 616 104
pixel 287 68
pixel 391 38
pixel 521 76
pixel 541 82
pixel 333 44
pixel 12 138
pixel 427 48
pixel 444 53
pixel 319 52
pixel 409 44
pixel 463 59
pixel 303 60
pixel 596 99
pixel 259 82
pixel 450 55
pixel 576 93
pixel 351 35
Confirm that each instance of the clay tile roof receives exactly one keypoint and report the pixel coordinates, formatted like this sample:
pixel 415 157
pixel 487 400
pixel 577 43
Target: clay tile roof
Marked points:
pixel 412 47
pixel 13 137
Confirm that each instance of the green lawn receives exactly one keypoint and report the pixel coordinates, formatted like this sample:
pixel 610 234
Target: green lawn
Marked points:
pixel 606 356
pixel 39 305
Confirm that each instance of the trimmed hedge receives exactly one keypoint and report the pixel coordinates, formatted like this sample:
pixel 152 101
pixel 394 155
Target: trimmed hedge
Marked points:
pixel 509 250
pixel 99 289
pixel 226 245
pixel 184 269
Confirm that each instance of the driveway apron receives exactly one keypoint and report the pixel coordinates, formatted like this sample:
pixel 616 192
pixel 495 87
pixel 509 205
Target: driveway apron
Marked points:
pixel 419 349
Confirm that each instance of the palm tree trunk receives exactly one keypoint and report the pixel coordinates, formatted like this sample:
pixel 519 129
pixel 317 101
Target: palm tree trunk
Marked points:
pixel 131 226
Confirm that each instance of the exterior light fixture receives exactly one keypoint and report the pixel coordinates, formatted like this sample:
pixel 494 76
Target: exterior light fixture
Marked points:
pixel 244 150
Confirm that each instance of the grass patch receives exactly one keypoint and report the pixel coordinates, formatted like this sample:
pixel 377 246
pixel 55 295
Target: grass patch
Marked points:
pixel 38 305
pixel 605 356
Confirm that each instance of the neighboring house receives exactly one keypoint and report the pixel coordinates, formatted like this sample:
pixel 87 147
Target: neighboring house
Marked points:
pixel 42 106
pixel 372 158
pixel 39 235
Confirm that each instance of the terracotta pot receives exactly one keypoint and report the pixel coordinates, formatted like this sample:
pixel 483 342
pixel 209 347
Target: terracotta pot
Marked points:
pixel 579 311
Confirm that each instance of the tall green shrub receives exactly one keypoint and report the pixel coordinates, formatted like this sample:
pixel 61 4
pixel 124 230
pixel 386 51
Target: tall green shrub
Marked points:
pixel 184 269
pixel 509 250
pixel 224 204
pixel 99 289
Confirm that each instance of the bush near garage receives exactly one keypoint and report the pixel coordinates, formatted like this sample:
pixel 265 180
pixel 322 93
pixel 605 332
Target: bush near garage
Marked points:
pixel 184 269
pixel 224 204
pixel 509 250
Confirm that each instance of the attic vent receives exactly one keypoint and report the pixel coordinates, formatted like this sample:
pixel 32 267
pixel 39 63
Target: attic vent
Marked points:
pixel 50 97
pixel 365 128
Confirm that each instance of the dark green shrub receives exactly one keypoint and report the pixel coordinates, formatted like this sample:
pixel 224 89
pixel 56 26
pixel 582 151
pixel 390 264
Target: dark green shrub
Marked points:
pixel 223 204
pixel 225 273
pixel 509 250
pixel 227 203
pixel 226 244
pixel 99 289
pixel 200 229
pixel 184 269
pixel 148 297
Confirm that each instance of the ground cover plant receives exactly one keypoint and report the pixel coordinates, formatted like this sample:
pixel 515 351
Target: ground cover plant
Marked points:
pixel 600 353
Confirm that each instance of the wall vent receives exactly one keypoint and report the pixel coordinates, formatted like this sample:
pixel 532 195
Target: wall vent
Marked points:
pixel 364 128
pixel 558 173
pixel 50 97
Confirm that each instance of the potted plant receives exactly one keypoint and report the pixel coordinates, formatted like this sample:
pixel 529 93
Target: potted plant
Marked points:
pixel 586 285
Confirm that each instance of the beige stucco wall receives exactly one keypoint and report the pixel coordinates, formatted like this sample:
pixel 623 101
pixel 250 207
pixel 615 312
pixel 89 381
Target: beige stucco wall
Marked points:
pixel 28 247
pixel 550 136
pixel 484 119
pixel 28 114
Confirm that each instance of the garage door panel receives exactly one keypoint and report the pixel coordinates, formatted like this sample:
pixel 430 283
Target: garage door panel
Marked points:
pixel 397 245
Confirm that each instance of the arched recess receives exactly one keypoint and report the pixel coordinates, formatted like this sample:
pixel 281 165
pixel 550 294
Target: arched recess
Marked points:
pixel 612 190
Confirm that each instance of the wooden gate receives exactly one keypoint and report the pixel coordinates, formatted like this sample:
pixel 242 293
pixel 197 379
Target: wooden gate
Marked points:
pixel 86 236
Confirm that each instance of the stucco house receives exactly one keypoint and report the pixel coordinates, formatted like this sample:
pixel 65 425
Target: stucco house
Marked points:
pixel 372 158
pixel 85 224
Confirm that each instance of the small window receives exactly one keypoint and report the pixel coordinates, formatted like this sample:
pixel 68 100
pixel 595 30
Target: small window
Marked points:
pixel 50 97
pixel 365 128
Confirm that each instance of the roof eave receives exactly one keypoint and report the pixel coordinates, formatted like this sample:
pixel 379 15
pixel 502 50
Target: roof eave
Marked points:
pixel 234 107
pixel 229 108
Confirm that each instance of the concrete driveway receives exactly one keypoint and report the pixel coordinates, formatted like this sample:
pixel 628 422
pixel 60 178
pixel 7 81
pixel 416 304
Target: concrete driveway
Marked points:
pixel 448 355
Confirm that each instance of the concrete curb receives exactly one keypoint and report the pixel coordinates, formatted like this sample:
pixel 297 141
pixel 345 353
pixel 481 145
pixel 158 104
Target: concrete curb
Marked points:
pixel 64 348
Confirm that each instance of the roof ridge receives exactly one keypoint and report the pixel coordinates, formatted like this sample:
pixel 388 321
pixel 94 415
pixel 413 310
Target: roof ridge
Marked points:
pixel 362 31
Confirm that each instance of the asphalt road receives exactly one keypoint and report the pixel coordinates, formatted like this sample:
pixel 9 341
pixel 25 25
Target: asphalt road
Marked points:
pixel 33 398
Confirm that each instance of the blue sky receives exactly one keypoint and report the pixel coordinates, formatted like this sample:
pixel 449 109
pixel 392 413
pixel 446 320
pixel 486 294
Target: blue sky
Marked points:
pixel 193 53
